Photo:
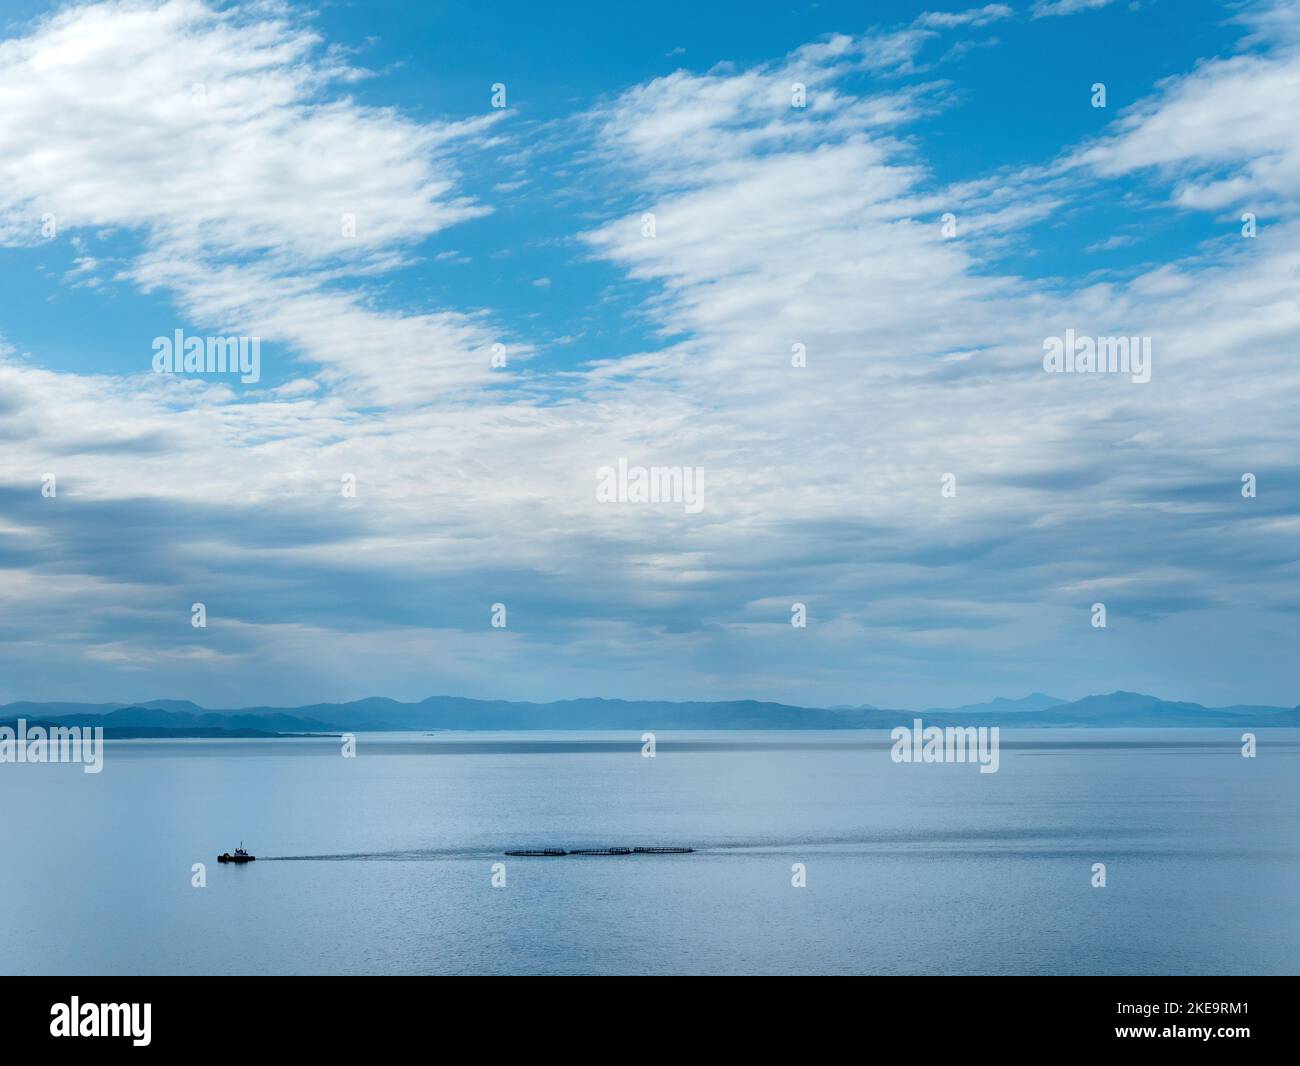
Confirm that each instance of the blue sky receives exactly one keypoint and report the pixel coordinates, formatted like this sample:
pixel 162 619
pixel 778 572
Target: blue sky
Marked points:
pixel 206 192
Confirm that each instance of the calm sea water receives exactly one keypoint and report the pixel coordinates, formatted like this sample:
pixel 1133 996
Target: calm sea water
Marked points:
pixel 382 864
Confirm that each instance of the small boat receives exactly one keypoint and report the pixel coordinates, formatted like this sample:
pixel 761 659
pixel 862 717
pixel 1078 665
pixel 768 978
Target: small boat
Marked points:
pixel 240 855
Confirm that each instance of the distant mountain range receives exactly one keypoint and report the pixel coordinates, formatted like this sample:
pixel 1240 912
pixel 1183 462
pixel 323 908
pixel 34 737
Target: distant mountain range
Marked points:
pixel 182 718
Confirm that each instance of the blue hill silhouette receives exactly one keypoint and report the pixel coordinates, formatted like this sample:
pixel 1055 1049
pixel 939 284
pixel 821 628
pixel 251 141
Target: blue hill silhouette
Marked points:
pixel 160 717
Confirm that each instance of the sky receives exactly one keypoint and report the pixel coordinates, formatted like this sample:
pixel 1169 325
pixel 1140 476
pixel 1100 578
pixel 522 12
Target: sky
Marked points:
pixel 814 253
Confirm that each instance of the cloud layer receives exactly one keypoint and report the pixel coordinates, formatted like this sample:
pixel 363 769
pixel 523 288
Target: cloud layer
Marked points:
pixel 761 234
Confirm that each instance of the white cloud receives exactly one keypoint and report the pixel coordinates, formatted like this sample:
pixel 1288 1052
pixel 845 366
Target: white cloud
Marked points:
pixel 209 130
pixel 775 226
pixel 212 134
pixel 975 16
pixel 1052 8
pixel 763 240
pixel 1224 134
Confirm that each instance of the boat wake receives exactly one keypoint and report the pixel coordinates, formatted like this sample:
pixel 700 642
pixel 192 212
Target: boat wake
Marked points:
pixel 408 855
pixel 439 854
pixel 896 842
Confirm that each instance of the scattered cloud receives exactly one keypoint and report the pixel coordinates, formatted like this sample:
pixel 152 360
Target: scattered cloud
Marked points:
pixel 776 227
pixel 1054 8
pixel 975 16
pixel 1221 134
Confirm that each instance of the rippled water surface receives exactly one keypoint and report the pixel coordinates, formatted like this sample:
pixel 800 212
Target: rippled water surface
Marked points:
pixel 384 863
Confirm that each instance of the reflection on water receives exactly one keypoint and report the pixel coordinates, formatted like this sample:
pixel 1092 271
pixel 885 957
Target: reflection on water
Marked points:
pixel 384 863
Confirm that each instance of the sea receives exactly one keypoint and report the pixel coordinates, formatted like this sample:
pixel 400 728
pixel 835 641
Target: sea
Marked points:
pixel 1087 852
